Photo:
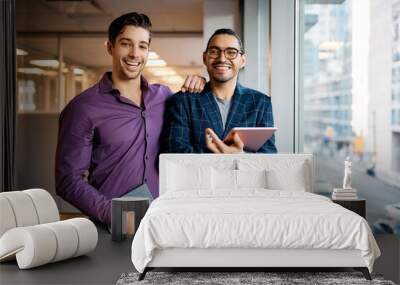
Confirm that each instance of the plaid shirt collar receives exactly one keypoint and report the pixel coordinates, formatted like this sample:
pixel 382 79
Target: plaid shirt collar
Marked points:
pixel 235 112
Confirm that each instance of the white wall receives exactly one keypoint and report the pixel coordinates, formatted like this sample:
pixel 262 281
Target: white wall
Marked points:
pixel 35 154
pixel 220 14
pixel 255 40
pixel 283 72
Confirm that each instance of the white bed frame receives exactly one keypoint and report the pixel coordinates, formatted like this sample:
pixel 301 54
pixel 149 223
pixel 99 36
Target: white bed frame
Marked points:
pixel 250 258
pixel 234 257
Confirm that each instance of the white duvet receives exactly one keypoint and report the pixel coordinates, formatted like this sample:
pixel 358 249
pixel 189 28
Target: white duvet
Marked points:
pixel 253 218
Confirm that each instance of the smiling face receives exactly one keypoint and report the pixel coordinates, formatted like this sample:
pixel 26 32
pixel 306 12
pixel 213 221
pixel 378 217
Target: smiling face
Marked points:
pixel 130 52
pixel 220 68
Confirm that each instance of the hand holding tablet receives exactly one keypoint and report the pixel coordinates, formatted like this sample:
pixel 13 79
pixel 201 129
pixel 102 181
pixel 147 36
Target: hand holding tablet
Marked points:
pixel 253 138
pixel 230 145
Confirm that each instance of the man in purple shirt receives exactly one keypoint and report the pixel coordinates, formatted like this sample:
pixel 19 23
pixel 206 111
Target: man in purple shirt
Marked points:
pixel 112 129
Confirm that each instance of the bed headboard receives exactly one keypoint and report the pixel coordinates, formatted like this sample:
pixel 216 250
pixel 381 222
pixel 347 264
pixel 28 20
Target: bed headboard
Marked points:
pixel 285 165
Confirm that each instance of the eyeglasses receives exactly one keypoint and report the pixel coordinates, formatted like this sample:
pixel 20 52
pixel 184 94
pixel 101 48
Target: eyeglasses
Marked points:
pixel 229 53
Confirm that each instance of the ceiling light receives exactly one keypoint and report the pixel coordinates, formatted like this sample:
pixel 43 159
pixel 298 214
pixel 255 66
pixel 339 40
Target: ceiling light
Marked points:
pixel 21 52
pixel 30 70
pixel 153 55
pixel 78 71
pixel 156 62
pixel 163 71
pixel 45 62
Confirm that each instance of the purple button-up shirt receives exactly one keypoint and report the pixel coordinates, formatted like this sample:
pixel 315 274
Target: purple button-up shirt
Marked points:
pixel 114 139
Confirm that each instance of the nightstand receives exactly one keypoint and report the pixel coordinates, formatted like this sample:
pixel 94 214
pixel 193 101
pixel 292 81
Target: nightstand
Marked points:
pixel 358 206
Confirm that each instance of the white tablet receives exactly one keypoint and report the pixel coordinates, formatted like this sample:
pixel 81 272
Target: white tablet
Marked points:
pixel 253 138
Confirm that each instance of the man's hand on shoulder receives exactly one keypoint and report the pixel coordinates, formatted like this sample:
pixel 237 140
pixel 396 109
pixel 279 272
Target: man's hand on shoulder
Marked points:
pixel 231 144
pixel 193 84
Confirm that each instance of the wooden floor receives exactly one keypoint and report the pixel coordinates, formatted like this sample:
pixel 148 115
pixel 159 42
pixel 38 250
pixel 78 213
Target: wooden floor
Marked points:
pixel 66 216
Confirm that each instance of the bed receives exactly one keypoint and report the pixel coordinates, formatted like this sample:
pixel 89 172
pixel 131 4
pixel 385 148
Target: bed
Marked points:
pixel 247 210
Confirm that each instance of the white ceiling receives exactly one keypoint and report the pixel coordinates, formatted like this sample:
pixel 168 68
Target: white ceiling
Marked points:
pixel 81 18
pixel 53 15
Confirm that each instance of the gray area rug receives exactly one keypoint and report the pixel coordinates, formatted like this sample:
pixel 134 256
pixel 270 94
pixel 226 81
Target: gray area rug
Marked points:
pixel 242 278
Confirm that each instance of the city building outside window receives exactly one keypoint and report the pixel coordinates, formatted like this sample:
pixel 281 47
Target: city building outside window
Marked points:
pixel 351 95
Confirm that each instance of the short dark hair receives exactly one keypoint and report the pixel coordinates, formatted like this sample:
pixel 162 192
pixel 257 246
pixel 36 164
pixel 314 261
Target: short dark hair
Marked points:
pixel 226 31
pixel 129 19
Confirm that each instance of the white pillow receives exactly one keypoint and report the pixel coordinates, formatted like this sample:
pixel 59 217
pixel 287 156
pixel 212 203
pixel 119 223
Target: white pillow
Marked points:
pixel 227 179
pixel 251 178
pixel 288 178
pixel 186 177
pixel 224 179
pixel 281 174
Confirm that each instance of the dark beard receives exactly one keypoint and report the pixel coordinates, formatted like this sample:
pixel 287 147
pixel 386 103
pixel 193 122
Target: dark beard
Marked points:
pixel 221 80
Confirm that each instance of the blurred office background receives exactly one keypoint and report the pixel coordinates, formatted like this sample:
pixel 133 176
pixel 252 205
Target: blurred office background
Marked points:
pixel 332 68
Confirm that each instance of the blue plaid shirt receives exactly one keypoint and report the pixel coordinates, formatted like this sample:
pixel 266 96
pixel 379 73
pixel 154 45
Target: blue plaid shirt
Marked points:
pixel 188 115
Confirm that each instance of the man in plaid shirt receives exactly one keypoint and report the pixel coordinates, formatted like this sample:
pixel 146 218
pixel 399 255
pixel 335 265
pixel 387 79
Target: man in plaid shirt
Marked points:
pixel 201 123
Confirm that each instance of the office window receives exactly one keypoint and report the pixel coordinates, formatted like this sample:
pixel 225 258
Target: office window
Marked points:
pixel 39 74
pixel 36 75
pixel 351 91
